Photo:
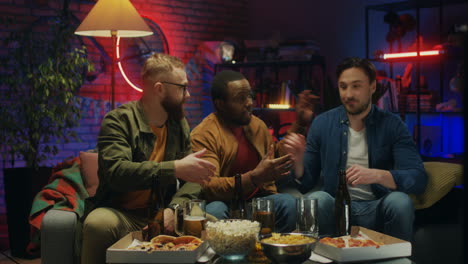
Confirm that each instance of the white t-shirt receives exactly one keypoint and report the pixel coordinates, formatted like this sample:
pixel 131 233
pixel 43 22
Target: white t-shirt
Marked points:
pixel 358 155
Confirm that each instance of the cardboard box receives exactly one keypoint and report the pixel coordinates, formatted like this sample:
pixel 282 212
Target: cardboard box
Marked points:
pixel 118 253
pixel 392 248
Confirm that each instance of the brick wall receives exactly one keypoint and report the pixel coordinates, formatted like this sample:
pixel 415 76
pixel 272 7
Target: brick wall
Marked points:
pixel 186 24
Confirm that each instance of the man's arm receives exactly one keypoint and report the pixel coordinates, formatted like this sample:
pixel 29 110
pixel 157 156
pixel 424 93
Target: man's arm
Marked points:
pixel 219 188
pixel 312 158
pixel 357 174
pixel 306 157
pixel 188 191
pixel 408 173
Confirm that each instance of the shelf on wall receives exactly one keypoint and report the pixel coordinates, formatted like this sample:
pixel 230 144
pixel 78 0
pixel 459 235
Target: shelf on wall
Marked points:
pixel 405 5
pixel 278 63
pixel 429 113
pixel 273 109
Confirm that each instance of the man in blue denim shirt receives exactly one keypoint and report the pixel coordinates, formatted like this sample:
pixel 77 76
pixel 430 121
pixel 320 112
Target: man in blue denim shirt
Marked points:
pixel 381 160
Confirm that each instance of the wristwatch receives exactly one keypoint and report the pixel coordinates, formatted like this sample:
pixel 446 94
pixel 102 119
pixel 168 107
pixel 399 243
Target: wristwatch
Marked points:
pixel 174 206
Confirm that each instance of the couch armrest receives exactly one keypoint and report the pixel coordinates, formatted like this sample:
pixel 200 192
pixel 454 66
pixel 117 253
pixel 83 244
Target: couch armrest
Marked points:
pixel 442 177
pixel 58 232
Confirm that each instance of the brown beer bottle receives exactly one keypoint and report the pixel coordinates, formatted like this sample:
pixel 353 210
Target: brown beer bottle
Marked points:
pixel 342 207
pixel 238 202
pixel 156 211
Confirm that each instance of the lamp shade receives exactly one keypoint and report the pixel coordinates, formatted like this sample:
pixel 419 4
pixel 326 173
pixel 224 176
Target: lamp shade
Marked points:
pixel 118 16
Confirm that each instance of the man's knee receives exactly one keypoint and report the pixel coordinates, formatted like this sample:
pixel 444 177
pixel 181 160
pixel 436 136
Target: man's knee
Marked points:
pixel 285 201
pixel 100 221
pixel 324 199
pixel 285 211
pixel 398 203
pixel 218 209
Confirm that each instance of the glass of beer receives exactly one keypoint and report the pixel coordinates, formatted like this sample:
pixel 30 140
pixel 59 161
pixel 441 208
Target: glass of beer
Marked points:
pixel 263 211
pixel 193 214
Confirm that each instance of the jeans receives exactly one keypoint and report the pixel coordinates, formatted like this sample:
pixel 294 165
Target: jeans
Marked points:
pixel 393 214
pixel 285 211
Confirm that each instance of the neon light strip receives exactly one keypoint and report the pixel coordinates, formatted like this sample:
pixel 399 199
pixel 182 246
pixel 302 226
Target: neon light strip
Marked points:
pixel 278 106
pixel 411 54
pixel 122 70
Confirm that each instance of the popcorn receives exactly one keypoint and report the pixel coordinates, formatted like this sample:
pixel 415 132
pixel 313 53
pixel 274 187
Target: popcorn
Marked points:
pixel 232 237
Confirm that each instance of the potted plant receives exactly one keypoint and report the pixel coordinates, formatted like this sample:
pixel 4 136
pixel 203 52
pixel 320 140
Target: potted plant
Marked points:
pixel 39 81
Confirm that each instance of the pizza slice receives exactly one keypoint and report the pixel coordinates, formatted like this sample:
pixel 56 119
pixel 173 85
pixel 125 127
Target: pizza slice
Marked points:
pixel 169 243
pixel 371 243
pixel 334 242
pixel 341 242
pixel 163 239
pixel 353 242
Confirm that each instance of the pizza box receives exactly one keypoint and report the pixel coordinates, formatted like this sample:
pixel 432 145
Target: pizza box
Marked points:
pixel 392 248
pixel 118 253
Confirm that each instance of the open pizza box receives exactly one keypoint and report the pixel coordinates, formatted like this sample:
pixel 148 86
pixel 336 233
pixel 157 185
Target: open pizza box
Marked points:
pixel 391 248
pixel 118 253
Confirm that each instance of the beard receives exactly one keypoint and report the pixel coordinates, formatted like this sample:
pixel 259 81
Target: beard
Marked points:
pixel 360 108
pixel 173 109
pixel 243 121
pixel 239 120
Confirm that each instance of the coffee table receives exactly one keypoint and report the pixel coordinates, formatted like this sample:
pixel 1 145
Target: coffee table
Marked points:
pixel 211 258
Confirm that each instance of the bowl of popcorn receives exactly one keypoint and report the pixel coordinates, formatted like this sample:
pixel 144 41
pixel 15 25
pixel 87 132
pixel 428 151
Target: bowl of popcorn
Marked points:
pixel 288 247
pixel 232 239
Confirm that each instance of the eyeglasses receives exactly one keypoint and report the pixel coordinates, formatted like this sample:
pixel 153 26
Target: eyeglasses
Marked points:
pixel 183 86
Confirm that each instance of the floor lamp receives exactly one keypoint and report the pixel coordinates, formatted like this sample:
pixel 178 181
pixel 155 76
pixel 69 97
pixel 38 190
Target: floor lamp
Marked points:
pixel 113 18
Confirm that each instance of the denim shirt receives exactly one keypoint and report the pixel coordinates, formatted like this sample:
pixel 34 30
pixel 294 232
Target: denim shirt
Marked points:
pixel 390 147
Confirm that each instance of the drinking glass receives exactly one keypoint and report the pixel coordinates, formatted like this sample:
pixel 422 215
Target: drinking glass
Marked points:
pixel 307 216
pixel 193 213
pixel 263 211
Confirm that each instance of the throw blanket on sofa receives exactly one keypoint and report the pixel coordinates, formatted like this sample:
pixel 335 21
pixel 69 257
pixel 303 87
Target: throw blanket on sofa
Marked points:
pixel 65 191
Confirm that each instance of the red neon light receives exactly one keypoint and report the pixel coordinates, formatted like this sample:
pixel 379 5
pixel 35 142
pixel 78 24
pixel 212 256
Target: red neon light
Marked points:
pixel 122 70
pixel 411 54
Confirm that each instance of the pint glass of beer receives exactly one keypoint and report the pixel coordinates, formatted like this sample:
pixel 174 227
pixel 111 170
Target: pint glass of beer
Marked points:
pixel 263 211
pixel 194 218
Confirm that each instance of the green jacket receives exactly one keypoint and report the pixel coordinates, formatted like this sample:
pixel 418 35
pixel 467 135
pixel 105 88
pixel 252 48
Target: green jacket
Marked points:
pixel 125 144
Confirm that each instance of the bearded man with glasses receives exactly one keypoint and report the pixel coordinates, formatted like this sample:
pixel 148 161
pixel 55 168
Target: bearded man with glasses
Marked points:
pixel 138 141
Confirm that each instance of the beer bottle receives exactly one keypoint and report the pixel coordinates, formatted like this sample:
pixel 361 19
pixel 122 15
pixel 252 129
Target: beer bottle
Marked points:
pixel 156 210
pixel 342 207
pixel 238 202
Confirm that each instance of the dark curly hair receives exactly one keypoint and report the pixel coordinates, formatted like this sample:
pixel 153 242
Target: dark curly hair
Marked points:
pixel 220 81
pixel 355 62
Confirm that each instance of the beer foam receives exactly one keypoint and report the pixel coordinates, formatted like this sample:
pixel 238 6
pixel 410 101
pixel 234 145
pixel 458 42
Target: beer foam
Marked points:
pixel 194 218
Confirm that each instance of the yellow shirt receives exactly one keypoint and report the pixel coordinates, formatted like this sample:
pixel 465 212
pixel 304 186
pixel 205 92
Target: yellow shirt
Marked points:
pixel 141 199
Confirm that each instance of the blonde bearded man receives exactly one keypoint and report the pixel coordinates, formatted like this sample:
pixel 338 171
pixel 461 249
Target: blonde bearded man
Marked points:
pixel 138 141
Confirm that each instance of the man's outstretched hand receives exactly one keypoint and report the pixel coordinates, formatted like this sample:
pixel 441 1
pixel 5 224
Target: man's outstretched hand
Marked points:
pixel 271 169
pixel 193 168
pixel 305 107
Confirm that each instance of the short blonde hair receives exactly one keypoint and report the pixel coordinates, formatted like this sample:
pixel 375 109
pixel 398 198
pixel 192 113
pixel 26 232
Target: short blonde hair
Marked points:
pixel 158 64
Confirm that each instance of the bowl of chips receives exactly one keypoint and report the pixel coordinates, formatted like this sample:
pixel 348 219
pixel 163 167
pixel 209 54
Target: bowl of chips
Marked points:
pixel 288 247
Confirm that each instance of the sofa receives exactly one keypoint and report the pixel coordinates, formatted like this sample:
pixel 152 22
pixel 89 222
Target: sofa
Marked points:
pixel 61 230
pixel 438 225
